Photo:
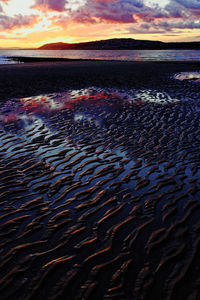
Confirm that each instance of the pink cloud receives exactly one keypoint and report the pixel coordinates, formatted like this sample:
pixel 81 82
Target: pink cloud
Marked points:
pixel 113 11
pixel 56 5
pixel 180 14
pixel 117 11
pixel 61 20
pixel 18 21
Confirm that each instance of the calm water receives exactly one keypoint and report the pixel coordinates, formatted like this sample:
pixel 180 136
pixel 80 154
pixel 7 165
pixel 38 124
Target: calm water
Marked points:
pixel 124 55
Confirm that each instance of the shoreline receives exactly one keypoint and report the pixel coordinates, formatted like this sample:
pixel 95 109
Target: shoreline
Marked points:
pixel 29 59
pixel 34 78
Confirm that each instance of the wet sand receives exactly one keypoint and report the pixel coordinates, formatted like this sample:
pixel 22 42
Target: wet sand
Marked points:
pixel 28 79
pixel 100 181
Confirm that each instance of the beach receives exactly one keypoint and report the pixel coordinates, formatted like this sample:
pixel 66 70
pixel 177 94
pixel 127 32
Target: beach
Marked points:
pixel 33 78
pixel 100 180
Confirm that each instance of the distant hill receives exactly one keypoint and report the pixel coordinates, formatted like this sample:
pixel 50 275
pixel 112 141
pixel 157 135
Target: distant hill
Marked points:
pixel 121 44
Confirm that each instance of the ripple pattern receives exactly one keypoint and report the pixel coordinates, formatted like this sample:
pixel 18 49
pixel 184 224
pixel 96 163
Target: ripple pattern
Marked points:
pixel 99 197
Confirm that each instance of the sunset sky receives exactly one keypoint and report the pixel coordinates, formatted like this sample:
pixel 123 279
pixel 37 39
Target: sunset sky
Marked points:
pixel 32 23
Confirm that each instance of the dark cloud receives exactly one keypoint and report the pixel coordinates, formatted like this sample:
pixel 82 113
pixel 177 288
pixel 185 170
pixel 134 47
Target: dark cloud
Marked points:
pixel 193 4
pixel 144 30
pixel 184 8
pixel 163 27
pixel 169 26
pixel 177 14
pixel 186 25
pixel 103 12
pixel 118 11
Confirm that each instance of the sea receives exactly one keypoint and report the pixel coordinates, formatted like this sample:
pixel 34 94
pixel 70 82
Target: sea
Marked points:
pixel 120 55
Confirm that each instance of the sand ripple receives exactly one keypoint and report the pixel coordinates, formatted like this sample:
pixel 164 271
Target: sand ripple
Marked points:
pixel 99 196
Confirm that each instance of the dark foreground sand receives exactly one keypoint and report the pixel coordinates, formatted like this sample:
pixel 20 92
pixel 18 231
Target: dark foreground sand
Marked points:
pixel 43 77
pixel 99 194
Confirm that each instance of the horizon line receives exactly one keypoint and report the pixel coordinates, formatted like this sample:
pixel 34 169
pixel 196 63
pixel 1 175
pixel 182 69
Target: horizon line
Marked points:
pixel 76 43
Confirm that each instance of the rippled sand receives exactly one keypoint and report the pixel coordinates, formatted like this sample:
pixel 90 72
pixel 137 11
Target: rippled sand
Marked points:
pixel 100 195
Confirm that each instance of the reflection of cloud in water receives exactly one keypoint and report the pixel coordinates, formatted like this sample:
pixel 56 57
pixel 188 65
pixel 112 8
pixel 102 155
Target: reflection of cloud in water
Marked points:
pixel 188 76
pixel 152 96
pixel 47 103
pixel 80 103
pixel 83 103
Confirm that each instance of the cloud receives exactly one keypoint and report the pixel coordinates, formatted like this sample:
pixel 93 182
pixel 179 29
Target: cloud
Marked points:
pixel 18 21
pixel 179 25
pixel 137 14
pixel 113 11
pixel 193 4
pixel 61 20
pixel 176 15
pixel 184 8
pixel 55 5
pixel 123 11
pixel 164 27
pixel 119 11
pixel 145 29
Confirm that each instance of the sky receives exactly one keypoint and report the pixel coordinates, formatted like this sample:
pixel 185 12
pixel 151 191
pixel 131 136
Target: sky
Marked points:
pixel 32 23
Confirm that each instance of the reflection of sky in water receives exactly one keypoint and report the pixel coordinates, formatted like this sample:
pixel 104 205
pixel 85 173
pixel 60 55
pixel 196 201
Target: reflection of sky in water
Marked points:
pixel 45 125
pixel 153 96
pixel 195 76
pixel 82 102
